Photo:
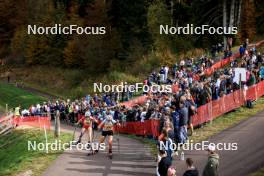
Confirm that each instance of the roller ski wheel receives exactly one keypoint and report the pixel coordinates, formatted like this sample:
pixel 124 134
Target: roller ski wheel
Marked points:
pixel 92 153
pixel 110 155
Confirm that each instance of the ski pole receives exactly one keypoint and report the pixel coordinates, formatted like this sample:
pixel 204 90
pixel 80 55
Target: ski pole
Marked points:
pixel 118 143
pixel 73 136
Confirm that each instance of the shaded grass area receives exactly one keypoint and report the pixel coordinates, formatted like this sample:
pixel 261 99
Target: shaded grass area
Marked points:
pixel 15 157
pixel 258 173
pixel 14 97
pixel 68 83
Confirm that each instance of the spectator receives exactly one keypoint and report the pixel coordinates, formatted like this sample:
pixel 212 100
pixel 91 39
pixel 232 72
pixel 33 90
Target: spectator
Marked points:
pixel 241 50
pixel 164 163
pixel 261 72
pixel 191 170
pixel 211 168
pixel 183 121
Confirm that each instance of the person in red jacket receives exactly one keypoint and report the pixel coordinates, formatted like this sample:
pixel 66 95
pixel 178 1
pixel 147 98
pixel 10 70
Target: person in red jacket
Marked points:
pixel 87 121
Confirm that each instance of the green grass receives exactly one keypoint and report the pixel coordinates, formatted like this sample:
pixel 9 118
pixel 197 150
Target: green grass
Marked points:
pixel 14 97
pixel 15 157
pixel 68 83
pixel 258 173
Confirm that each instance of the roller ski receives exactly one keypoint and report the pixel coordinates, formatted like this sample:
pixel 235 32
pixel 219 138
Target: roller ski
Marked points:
pixel 110 155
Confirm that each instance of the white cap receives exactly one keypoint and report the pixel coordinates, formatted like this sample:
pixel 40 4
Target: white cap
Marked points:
pixel 211 147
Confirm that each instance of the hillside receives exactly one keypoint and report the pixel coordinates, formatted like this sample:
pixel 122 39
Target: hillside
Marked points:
pixel 14 97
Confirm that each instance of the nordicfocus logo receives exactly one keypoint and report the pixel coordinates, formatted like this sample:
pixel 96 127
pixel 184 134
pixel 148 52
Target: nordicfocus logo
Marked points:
pixel 198 30
pixel 66 30
pixel 198 146
pixel 138 87
pixel 57 145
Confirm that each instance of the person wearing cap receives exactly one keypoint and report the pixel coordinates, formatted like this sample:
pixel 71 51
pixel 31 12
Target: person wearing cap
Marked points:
pixel 212 165
pixel 87 121
pixel 107 126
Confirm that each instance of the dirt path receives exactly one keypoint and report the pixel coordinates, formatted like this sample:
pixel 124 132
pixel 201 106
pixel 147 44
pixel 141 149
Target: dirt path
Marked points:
pixel 248 158
pixel 133 158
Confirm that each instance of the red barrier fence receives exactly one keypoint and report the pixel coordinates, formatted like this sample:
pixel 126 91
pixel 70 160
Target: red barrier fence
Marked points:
pixel 226 61
pixel 208 72
pixel 135 101
pixel 205 113
pixel 34 121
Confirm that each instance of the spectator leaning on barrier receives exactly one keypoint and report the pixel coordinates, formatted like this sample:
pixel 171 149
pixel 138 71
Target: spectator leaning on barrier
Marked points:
pixel 212 165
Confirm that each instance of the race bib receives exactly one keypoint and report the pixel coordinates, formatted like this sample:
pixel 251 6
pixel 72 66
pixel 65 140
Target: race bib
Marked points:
pixel 87 120
pixel 108 127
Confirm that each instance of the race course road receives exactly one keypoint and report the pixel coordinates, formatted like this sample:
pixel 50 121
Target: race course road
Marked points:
pixel 249 135
pixel 133 158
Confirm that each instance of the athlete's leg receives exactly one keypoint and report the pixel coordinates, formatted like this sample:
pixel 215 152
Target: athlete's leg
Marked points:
pixel 81 135
pixel 102 139
pixel 90 130
pixel 110 141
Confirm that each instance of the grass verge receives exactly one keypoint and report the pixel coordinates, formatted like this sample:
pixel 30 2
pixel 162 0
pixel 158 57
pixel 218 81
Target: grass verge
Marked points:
pixel 258 173
pixel 14 96
pixel 15 158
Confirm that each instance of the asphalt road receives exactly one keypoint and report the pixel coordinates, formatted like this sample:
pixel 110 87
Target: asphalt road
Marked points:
pixel 133 158
pixel 249 135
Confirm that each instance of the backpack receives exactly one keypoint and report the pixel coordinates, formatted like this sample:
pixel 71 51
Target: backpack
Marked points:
pixel 249 104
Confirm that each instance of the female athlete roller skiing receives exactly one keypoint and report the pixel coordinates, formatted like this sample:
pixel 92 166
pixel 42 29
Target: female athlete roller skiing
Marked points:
pixel 87 122
pixel 108 126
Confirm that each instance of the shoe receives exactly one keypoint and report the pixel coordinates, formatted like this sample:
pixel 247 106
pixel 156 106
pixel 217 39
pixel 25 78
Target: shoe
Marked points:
pixel 77 142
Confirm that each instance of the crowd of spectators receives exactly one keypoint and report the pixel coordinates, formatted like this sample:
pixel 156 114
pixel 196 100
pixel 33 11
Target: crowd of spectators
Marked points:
pixel 173 110
pixel 190 95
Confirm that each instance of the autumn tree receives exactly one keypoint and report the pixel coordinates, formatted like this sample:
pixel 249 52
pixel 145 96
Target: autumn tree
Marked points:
pixel 248 20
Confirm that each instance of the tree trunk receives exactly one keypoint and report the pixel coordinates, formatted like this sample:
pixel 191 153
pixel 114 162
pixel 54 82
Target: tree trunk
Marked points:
pixel 232 14
pixel 224 21
pixel 172 7
pixel 239 14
